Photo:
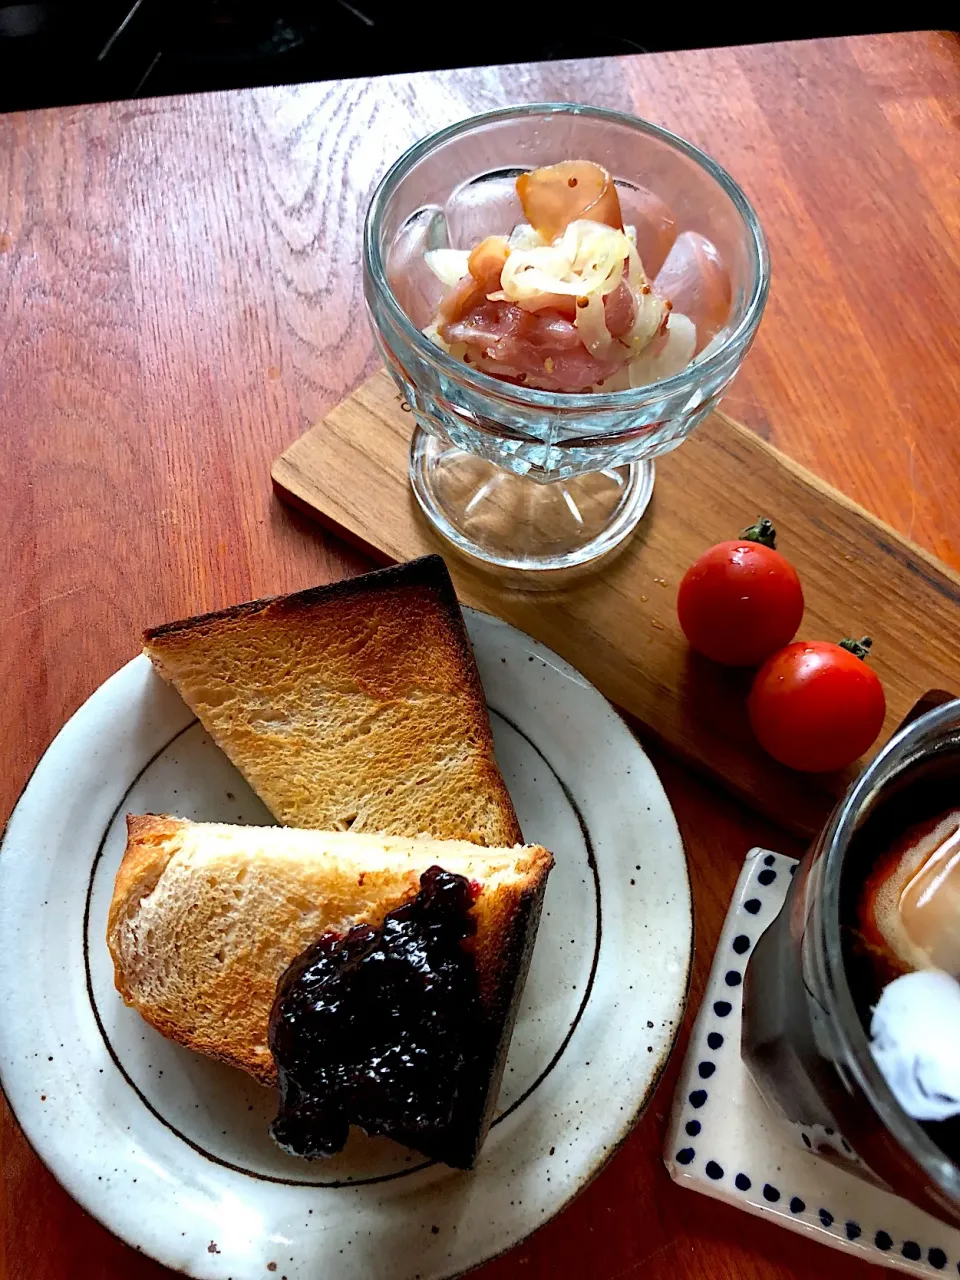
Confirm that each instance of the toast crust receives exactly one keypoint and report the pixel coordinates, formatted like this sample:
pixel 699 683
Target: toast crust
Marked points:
pixel 205 919
pixel 352 706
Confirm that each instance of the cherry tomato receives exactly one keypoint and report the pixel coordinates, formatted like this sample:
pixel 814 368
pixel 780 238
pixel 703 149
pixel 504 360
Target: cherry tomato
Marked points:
pixel 741 600
pixel 817 706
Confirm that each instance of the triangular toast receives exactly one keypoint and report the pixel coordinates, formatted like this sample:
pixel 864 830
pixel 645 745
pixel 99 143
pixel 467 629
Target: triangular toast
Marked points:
pixel 356 706
pixel 206 918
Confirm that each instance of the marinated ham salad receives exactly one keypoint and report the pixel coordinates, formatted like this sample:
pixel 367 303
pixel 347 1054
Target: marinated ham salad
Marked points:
pixel 564 302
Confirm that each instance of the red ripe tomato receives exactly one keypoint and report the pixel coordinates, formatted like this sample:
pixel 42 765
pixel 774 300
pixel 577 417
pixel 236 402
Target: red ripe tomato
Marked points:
pixel 741 600
pixel 817 706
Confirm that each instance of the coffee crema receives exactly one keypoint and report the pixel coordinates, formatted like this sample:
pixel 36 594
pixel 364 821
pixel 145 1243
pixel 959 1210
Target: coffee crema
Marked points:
pixel 910 909
pixel 900 914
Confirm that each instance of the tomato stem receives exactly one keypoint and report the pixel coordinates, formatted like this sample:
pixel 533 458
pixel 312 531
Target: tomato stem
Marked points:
pixel 859 648
pixel 762 532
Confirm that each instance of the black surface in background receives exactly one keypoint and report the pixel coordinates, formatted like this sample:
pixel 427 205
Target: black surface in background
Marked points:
pixel 55 54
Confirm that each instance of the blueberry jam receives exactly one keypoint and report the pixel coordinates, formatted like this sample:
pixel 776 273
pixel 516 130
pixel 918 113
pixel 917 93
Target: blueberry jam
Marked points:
pixel 384 1029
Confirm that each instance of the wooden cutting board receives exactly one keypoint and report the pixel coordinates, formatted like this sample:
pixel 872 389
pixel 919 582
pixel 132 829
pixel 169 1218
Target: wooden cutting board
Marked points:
pixel 618 624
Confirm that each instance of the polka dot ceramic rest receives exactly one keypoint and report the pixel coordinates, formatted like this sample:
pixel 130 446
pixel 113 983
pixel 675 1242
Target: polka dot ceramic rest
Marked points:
pixel 724 1140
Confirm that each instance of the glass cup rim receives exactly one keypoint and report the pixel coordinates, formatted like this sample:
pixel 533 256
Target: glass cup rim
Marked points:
pixel 902 751
pixel 635 397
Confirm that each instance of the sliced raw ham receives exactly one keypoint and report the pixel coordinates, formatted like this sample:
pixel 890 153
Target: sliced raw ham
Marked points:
pixel 620 310
pixel 542 349
pixel 558 194
pixel 487 261
pixel 484 265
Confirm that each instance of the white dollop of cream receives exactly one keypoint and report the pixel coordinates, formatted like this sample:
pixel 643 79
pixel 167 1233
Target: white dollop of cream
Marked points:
pixel 915 1034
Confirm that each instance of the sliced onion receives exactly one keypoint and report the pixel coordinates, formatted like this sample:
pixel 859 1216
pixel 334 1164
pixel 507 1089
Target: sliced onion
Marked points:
pixel 496 367
pixel 523 236
pixel 649 318
pixel 529 272
pixel 650 307
pixel 587 259
pixel 448 265
pixel 433 333
pixel 597 254
pixel 591 322
pixel 636 271
pixel 664 359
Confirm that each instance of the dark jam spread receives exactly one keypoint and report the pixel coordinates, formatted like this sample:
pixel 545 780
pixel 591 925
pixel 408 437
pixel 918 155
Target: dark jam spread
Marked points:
pixel 384 1029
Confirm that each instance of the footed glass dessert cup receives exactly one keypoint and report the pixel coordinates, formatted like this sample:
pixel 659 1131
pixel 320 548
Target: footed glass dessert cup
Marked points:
pixel 516 476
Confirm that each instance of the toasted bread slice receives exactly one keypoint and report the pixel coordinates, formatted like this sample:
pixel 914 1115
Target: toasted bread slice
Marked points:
pixel 356 706
pixel 206 918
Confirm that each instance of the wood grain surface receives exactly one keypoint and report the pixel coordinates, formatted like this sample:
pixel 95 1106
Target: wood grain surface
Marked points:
pixel 618 623
pixel 180 299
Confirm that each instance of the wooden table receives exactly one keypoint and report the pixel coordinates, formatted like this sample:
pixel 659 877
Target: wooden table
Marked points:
pixel 180 298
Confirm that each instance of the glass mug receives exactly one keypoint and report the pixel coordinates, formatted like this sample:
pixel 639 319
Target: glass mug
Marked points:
pixel 514 476
pixel 803 1040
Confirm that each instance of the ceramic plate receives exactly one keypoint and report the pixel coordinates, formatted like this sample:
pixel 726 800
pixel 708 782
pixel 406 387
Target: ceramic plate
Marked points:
pixel 171 1151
